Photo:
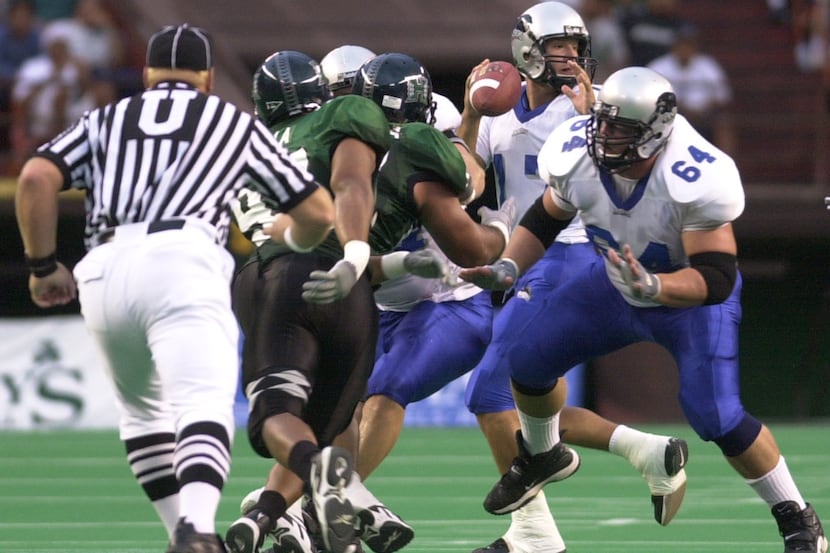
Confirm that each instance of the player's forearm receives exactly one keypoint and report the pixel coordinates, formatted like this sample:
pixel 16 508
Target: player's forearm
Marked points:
pixel 524 248
pixel 353 208
pixel 468 132
pixel 683 288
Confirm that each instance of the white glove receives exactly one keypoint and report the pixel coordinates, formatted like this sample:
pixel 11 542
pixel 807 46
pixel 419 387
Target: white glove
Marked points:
pixel 424 263
pixel 502 218
pixel 501 275
pixel 332 285
pixel 643 284
pixel 336 283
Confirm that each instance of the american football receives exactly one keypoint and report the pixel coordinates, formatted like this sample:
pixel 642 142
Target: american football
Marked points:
pixel 495 88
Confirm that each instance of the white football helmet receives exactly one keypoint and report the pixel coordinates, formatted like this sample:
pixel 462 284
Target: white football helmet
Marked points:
pixel 340 65
pixel 540 23
pixel 635 98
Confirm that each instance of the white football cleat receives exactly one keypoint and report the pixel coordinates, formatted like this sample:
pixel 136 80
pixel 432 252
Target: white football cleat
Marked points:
pixel 250 500
pixel 379 528
pixel 290 534
pixel 661 461
pixel 532 530
pixel 331 471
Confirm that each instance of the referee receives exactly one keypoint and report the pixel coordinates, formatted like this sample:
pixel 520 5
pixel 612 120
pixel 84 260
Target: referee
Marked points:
pixel 159 170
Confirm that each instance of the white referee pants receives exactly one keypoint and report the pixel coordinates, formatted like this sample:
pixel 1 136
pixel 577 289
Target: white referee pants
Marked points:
pixel 158 306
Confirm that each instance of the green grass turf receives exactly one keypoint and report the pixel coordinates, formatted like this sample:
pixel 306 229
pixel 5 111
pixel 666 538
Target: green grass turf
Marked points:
pixel 72 492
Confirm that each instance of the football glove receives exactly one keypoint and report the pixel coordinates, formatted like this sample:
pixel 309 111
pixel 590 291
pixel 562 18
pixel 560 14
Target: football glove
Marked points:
pixel 501 275
pixel 501 218
pixel 332 285
pixel 424 263
pixel 643 284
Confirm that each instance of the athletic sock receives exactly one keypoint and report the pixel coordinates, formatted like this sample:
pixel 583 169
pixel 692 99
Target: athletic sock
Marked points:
pixel 151 462
pixel 202 461
pixel 777 485
pixel 540 434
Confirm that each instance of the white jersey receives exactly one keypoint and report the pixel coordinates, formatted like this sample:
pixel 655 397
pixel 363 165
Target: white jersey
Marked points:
pixel 692 186
pixel 511 142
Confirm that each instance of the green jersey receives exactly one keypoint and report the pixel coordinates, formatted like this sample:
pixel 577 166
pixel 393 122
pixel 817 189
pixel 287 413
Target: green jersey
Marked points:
pixel 418 153
pixel 311 140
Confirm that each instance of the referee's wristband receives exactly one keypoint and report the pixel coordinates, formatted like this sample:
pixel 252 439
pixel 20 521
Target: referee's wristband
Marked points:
pixel 41 266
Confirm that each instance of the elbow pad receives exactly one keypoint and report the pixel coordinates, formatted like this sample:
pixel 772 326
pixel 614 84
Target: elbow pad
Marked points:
pixel 538 221
pixel 719 271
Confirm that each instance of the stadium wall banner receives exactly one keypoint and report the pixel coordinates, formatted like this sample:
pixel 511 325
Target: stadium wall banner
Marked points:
pixel 51 376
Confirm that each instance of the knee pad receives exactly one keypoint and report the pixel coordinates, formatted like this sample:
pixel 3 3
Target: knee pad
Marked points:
pixel 268 404
pixel 528 391
pixel 738 440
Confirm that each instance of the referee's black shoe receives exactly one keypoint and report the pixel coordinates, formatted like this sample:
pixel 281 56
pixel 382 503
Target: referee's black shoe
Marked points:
pixel 528 474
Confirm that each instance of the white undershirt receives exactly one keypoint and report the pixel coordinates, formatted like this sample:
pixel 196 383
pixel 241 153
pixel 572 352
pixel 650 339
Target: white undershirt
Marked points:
pixel 624 186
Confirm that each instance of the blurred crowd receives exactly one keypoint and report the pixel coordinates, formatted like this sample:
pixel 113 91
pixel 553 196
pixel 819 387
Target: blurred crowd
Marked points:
pixel 58 58
pixel 655 34
pixel 61 57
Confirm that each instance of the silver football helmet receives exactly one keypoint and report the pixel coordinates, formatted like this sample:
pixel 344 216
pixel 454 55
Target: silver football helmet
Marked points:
pixel 635 99
pixel 540 23
pixel 340 65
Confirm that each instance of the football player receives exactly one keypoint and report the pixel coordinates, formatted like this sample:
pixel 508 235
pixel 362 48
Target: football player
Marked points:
pixel 305 365
pixel 422 180
pixel 551 49
pixel 659 200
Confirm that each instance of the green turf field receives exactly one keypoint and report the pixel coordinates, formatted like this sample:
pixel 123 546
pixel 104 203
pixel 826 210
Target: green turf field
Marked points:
pixel 71 492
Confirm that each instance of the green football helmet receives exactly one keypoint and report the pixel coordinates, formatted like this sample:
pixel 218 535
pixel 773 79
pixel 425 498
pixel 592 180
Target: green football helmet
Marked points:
pixel 288 83
pixel 400 85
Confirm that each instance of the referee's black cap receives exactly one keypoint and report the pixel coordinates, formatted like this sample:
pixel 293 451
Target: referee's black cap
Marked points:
pixel 180 47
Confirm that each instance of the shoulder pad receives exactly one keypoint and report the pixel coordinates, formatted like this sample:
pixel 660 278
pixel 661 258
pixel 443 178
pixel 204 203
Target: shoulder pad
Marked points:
pixel 699 175
pixel 430 153
pixel 355 116
pixel 563 149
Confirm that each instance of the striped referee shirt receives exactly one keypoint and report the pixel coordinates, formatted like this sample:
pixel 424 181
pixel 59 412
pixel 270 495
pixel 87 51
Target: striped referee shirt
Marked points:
pixel 171 151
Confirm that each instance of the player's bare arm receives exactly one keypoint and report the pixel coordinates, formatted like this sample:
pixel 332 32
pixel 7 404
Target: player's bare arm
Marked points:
pixel 464 241
pixel 352 167
pixel 710 253
pixel 525 246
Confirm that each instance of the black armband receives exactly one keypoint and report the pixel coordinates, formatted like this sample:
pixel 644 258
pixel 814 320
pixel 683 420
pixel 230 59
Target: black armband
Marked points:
pixel 41 266
pixel 455 139
pixel 719 271
pixel 537 220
